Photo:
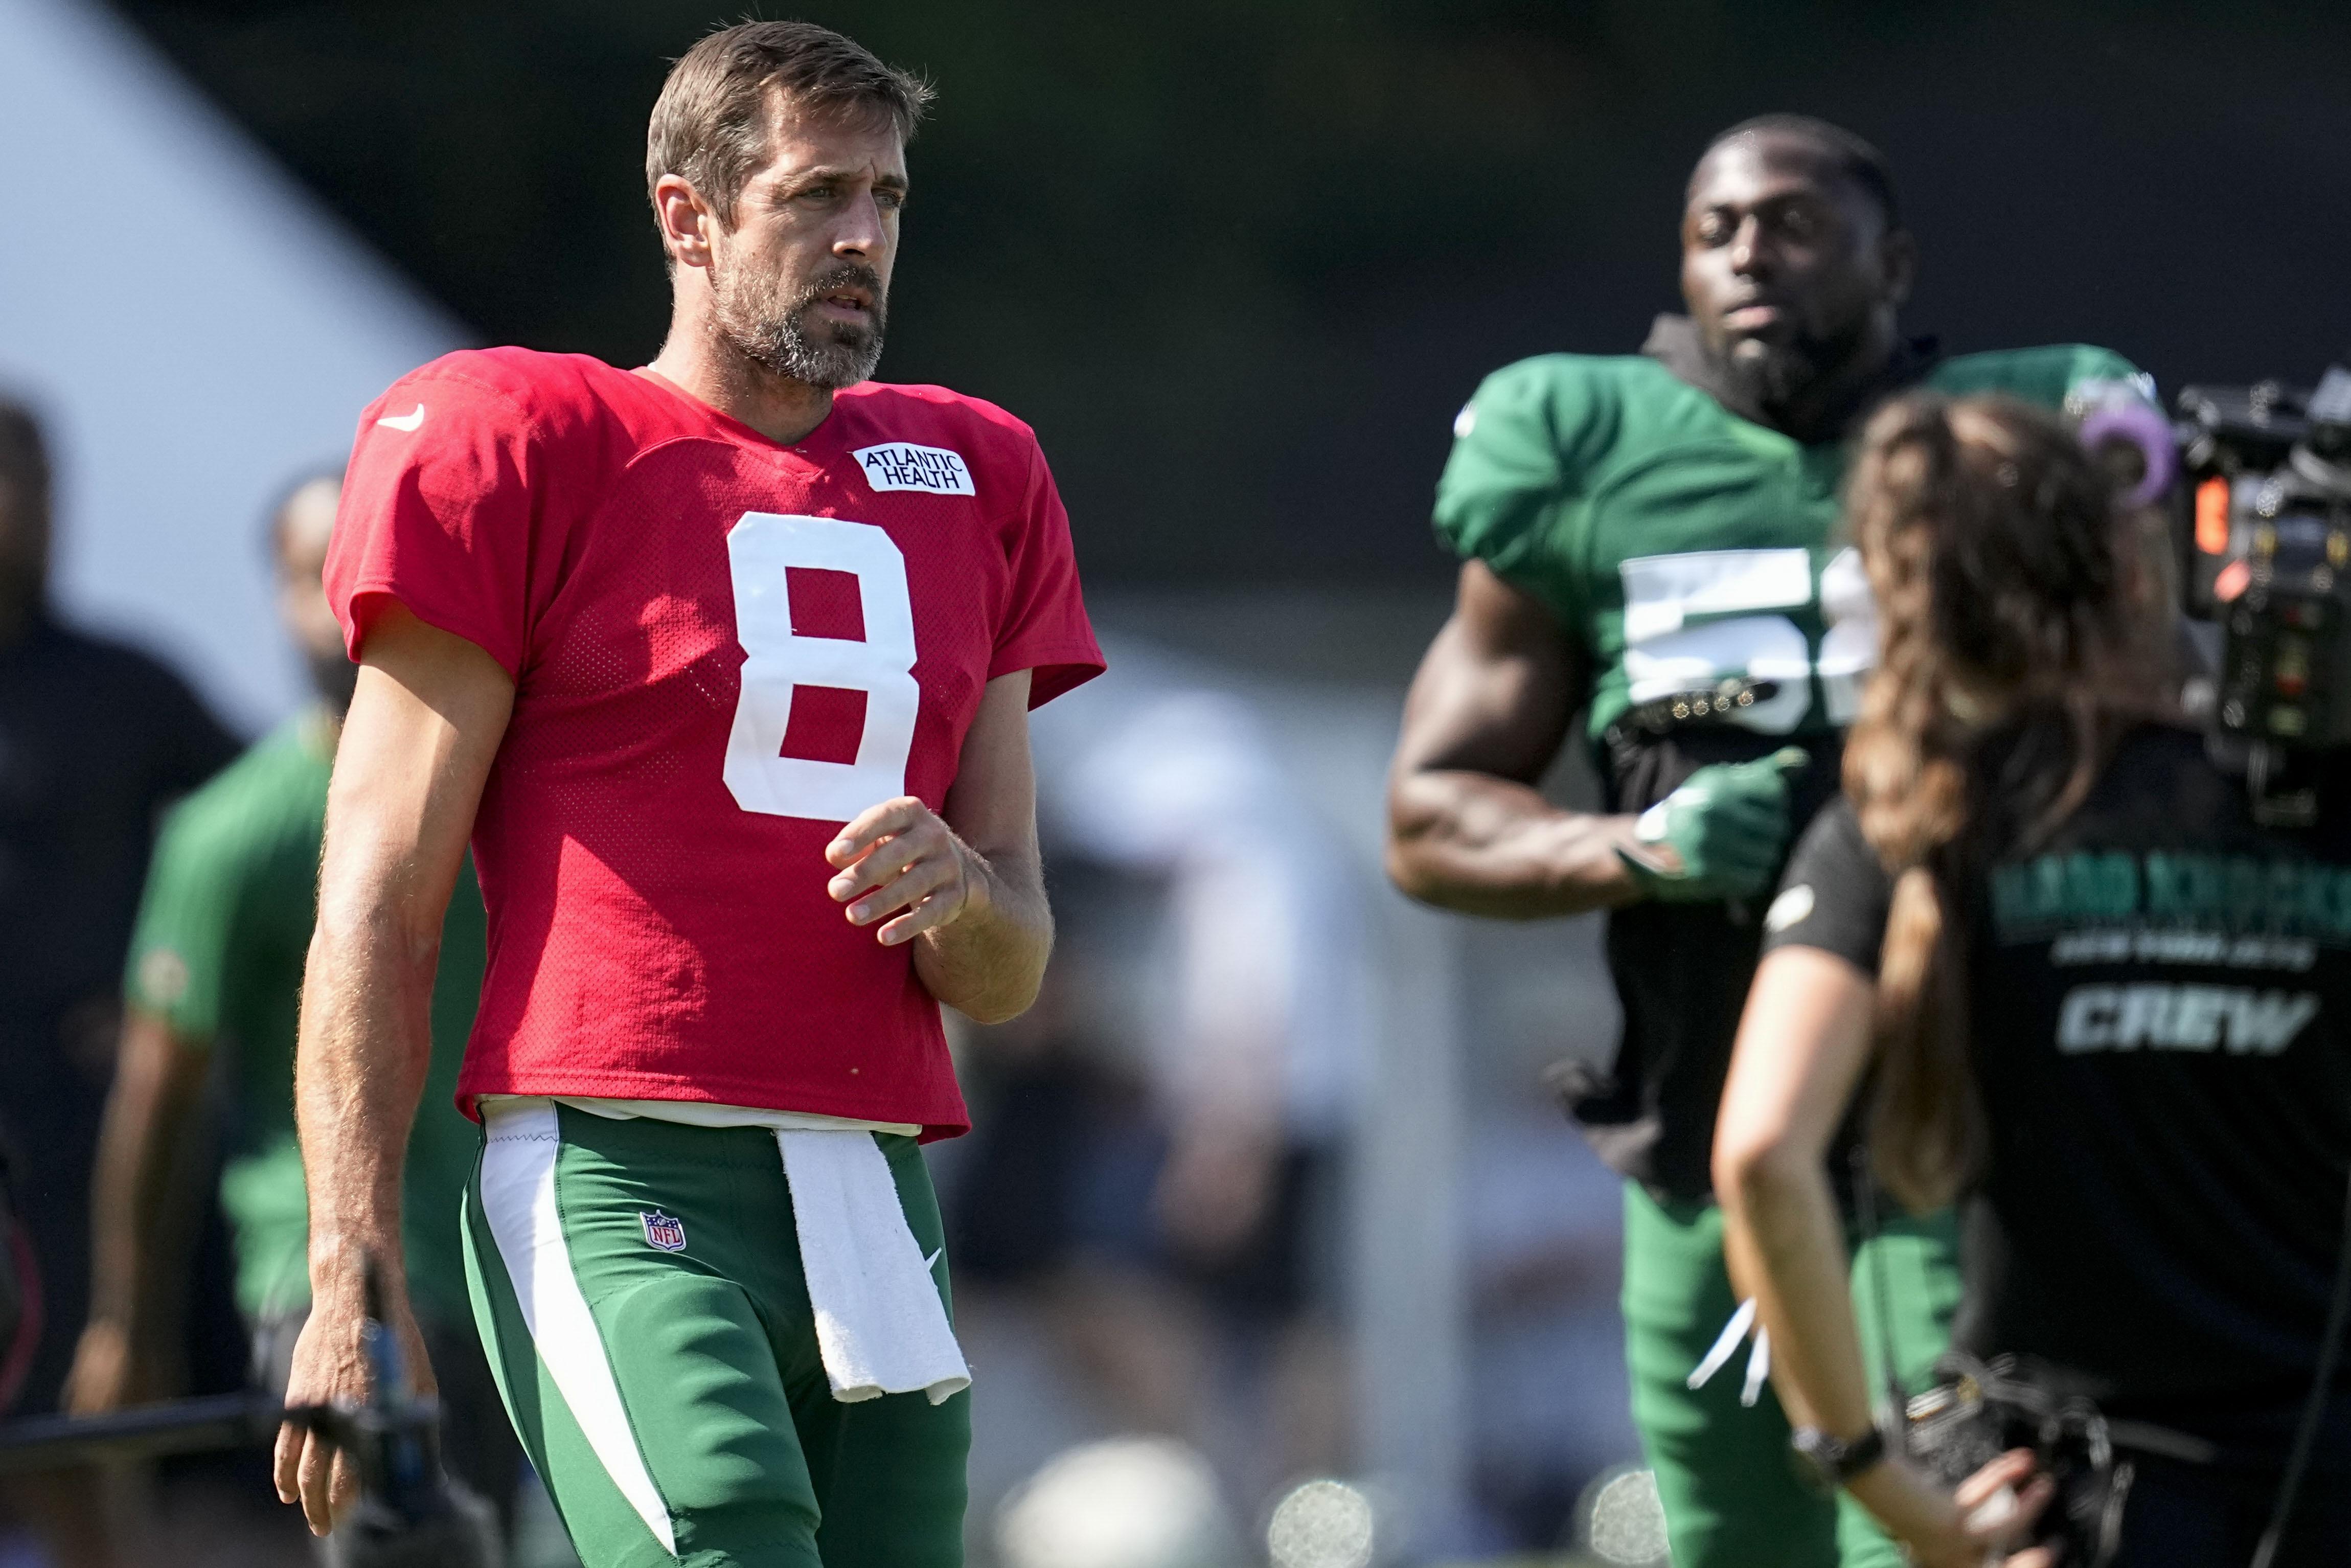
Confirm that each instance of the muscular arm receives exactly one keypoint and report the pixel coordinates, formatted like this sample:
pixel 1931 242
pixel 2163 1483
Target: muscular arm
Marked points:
pixel 1468 829
pixel 970 884
pixel 158 1079
pixel 425 723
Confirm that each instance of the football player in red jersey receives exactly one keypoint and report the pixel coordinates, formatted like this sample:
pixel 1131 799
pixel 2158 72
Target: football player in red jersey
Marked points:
pixel 724 665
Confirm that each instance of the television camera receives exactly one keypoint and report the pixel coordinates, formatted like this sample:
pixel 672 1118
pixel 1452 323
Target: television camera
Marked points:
pixel 2265 553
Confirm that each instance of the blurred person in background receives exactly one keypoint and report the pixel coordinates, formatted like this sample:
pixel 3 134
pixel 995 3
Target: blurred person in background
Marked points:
pixel 215 979
pixel 1648 540
pixel 1250 1034
pixel 1159 1175
pixel 1543 1245
pixel 2049 945
pixel 96 738
pixel 1046 1201
pixel 1060 1290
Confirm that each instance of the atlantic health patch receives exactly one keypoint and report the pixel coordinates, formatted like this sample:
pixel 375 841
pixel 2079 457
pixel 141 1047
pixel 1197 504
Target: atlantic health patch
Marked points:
pixel 901 466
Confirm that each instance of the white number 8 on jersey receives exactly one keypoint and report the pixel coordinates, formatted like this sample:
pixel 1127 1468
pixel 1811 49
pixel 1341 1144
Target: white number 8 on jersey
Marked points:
pixel 759 550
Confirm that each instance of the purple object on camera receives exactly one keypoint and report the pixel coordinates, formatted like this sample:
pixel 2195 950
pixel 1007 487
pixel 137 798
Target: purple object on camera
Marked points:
pixel 2144 427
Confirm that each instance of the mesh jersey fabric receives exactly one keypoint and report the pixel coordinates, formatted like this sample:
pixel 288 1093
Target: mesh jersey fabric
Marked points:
pixel 224 931
pixel 1677 544
pixel 723 647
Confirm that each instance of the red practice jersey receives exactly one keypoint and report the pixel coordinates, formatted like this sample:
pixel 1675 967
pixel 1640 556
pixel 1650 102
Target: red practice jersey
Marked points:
pixel 723 648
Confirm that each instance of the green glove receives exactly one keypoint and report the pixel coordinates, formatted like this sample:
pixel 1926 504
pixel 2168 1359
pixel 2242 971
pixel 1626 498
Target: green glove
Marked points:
pixel 1720 836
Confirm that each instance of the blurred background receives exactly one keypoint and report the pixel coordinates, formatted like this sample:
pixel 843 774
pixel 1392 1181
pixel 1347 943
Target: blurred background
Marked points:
pixel 1269 1247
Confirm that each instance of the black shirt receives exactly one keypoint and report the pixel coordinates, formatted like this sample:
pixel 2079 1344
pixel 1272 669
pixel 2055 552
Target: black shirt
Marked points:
pixel 2158 1032
pixel 1681 972
pixel 95 740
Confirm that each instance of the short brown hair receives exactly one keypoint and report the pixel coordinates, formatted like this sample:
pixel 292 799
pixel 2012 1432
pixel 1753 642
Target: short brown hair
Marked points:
pixel 710 124
pixel 24 478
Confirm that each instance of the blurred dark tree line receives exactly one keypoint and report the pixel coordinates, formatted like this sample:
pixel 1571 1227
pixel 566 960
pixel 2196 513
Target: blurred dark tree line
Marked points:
pixel 1239 262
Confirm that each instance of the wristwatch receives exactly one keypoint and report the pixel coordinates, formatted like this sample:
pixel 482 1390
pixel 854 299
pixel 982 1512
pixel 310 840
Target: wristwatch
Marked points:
pixel 1827 1464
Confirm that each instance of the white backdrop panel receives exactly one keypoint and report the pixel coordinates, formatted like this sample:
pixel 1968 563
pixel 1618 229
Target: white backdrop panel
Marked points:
pixel 195 331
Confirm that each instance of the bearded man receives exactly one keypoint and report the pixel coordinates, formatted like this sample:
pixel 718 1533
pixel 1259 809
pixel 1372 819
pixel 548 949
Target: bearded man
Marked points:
pixel 725 664
pixel 1651 540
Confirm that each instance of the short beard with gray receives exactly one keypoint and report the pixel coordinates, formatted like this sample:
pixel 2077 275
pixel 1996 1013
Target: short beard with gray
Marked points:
pixel 775 335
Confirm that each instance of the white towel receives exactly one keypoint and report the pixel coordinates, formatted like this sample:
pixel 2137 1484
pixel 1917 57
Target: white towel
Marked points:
pixel 1759 1360
pixel 880 1323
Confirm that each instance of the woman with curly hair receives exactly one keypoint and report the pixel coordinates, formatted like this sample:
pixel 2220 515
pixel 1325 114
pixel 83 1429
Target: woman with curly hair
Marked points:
pixel 2076 987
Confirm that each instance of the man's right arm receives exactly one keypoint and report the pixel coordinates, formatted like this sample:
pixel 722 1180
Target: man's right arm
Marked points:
pixel 1467 827
pixel 426 723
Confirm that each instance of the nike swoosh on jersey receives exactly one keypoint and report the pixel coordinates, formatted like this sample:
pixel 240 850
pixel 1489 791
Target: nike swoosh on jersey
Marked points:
pixel 414 419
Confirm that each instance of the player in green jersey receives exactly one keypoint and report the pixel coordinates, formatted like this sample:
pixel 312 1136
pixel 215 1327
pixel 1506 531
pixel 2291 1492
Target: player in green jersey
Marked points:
pixel 1651 540
pixel 215 971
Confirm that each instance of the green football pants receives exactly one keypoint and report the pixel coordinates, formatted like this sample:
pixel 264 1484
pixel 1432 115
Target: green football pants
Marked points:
pixel 639 1285
pixel 1731 1498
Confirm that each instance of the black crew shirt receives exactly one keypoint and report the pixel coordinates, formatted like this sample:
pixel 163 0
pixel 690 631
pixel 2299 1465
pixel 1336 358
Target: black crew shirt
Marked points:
pixel 2159 995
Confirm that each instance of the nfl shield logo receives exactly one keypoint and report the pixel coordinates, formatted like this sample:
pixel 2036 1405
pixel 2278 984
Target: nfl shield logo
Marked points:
pixel 664 1232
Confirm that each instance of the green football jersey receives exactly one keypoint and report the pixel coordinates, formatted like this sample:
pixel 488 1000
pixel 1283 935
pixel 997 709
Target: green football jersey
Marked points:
pixel 1682 544
pixel 223 930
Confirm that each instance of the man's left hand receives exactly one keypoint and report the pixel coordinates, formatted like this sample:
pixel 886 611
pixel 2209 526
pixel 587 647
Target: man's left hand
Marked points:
pixel 899 859
pixel 330 1368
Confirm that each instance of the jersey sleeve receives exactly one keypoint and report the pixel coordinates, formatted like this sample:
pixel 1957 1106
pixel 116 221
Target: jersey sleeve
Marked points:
pixel 189 916
pixel 2092 376
pixel 1045 629
pixel 2049 376
pixel 1519 448
pixel 2084 363
pixel 1834 895
pixel 437 514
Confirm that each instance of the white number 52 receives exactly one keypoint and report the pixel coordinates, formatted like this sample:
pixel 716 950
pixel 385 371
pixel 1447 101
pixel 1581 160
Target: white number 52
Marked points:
pixel 761 548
